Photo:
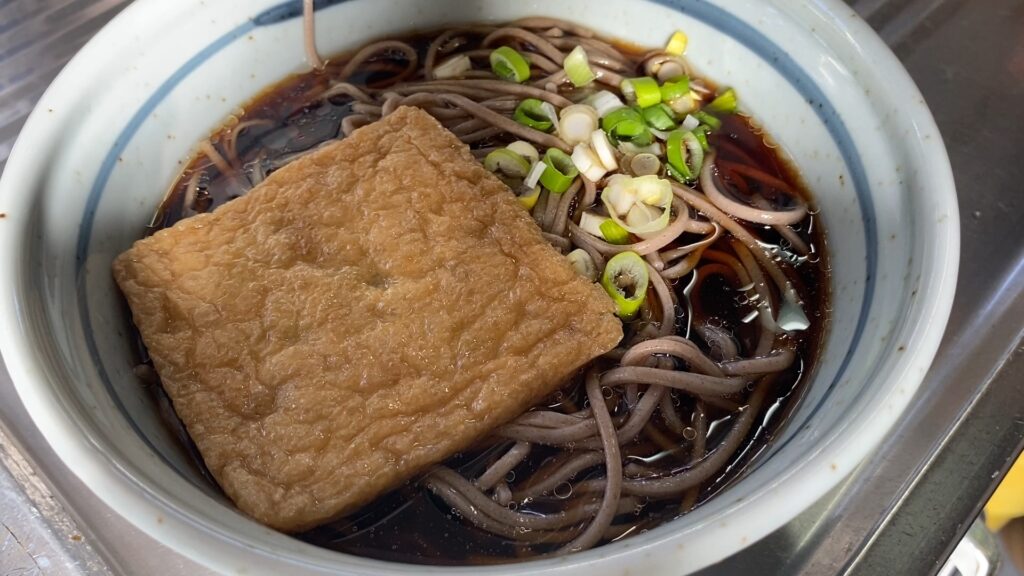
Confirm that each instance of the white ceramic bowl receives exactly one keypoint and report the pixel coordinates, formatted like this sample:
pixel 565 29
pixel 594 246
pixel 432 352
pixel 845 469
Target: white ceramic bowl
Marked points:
pixel 115 127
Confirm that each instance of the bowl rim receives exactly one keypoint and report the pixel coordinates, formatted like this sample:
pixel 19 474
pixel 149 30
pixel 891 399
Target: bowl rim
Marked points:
pixel 135 501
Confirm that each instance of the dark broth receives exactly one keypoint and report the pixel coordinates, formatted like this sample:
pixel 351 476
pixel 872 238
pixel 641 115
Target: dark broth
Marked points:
pixel 409 524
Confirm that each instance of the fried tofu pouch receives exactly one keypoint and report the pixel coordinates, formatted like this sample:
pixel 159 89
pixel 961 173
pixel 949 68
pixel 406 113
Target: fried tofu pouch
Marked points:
pixel 368 311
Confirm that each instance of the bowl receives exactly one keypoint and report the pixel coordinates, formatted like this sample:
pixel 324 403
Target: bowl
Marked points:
pixel 118 123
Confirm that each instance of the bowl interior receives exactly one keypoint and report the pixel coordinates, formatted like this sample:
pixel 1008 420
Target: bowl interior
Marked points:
pixel 123 119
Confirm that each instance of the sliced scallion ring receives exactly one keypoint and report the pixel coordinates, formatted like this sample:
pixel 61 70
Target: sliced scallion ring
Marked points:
pixel 705 118
pixel 577 67
pixel 508 64
pixel 675 152
pixel 685 155
pixel 590 222
pixel 613 233
pixel 604 102
pixel 528 196
pixel 587 162
pixel 627 124
pixel 454 67
pixel 619 194
pixel 725 103
pixel 533 178
pixel 701 133
pixel 659 117
pixel 641 215
pixel 695 152
pixel 577 123
pixel 622 193
pixel 684 105
pixel 625 279
pixel 533 113
pixel 630 149
pixel 525 149
pixel 675 89
pixel 653 191
pixel 643 90
pixel 677 43
pixel 559 172
pixel 583 264
pixel 508 163
pixel 677 175
pixel 603 148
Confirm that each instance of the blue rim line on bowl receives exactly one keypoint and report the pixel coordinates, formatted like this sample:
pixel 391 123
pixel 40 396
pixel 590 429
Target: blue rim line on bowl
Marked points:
pixel 708 14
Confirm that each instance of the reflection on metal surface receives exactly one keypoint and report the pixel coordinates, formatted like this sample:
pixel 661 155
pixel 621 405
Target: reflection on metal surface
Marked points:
pixel 895 21
pixel 37 536
pixel 976 555
pixel 903 511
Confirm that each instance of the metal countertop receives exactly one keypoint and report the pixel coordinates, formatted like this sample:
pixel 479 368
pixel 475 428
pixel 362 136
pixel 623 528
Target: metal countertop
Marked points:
pixel 900 512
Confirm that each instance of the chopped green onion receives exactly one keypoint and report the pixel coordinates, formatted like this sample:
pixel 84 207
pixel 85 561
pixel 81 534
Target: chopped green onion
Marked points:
pixel 588 163
pixel 577 124
pixel 695 151
pixel 705 118
pixel 604 102
pixel 577 67
pixel 612 120
pixel 683 105
pixel 623 193
pixel 508 64
pixel 675 89
pixel 536 171
pixel 685 156
pixel 677 43
pixel 625 279
pixel 454 67
pixel 590 222
pixel 641 138
pixel 525 149
pixel 653 191
pixel 676 155
pixel 613 233
pixel 701 133
pixel 627 124
pixel 559 172
pixel 619 195
pixel 583 264
pixel 630 149
pixel 726 103
pixel 659 117
pixel 643 215
pixel 603 149
pixel 528 196
pixel 643 90
pixel 676 175
pixel 532 112
pixel 659 134
pixel 508 163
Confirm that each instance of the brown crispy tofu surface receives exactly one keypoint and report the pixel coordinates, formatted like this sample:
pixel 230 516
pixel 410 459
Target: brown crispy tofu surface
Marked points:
pixel 368 311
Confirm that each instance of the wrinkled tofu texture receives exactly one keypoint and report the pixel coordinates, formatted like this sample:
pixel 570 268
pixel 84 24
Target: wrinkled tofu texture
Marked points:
pixel 365 313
